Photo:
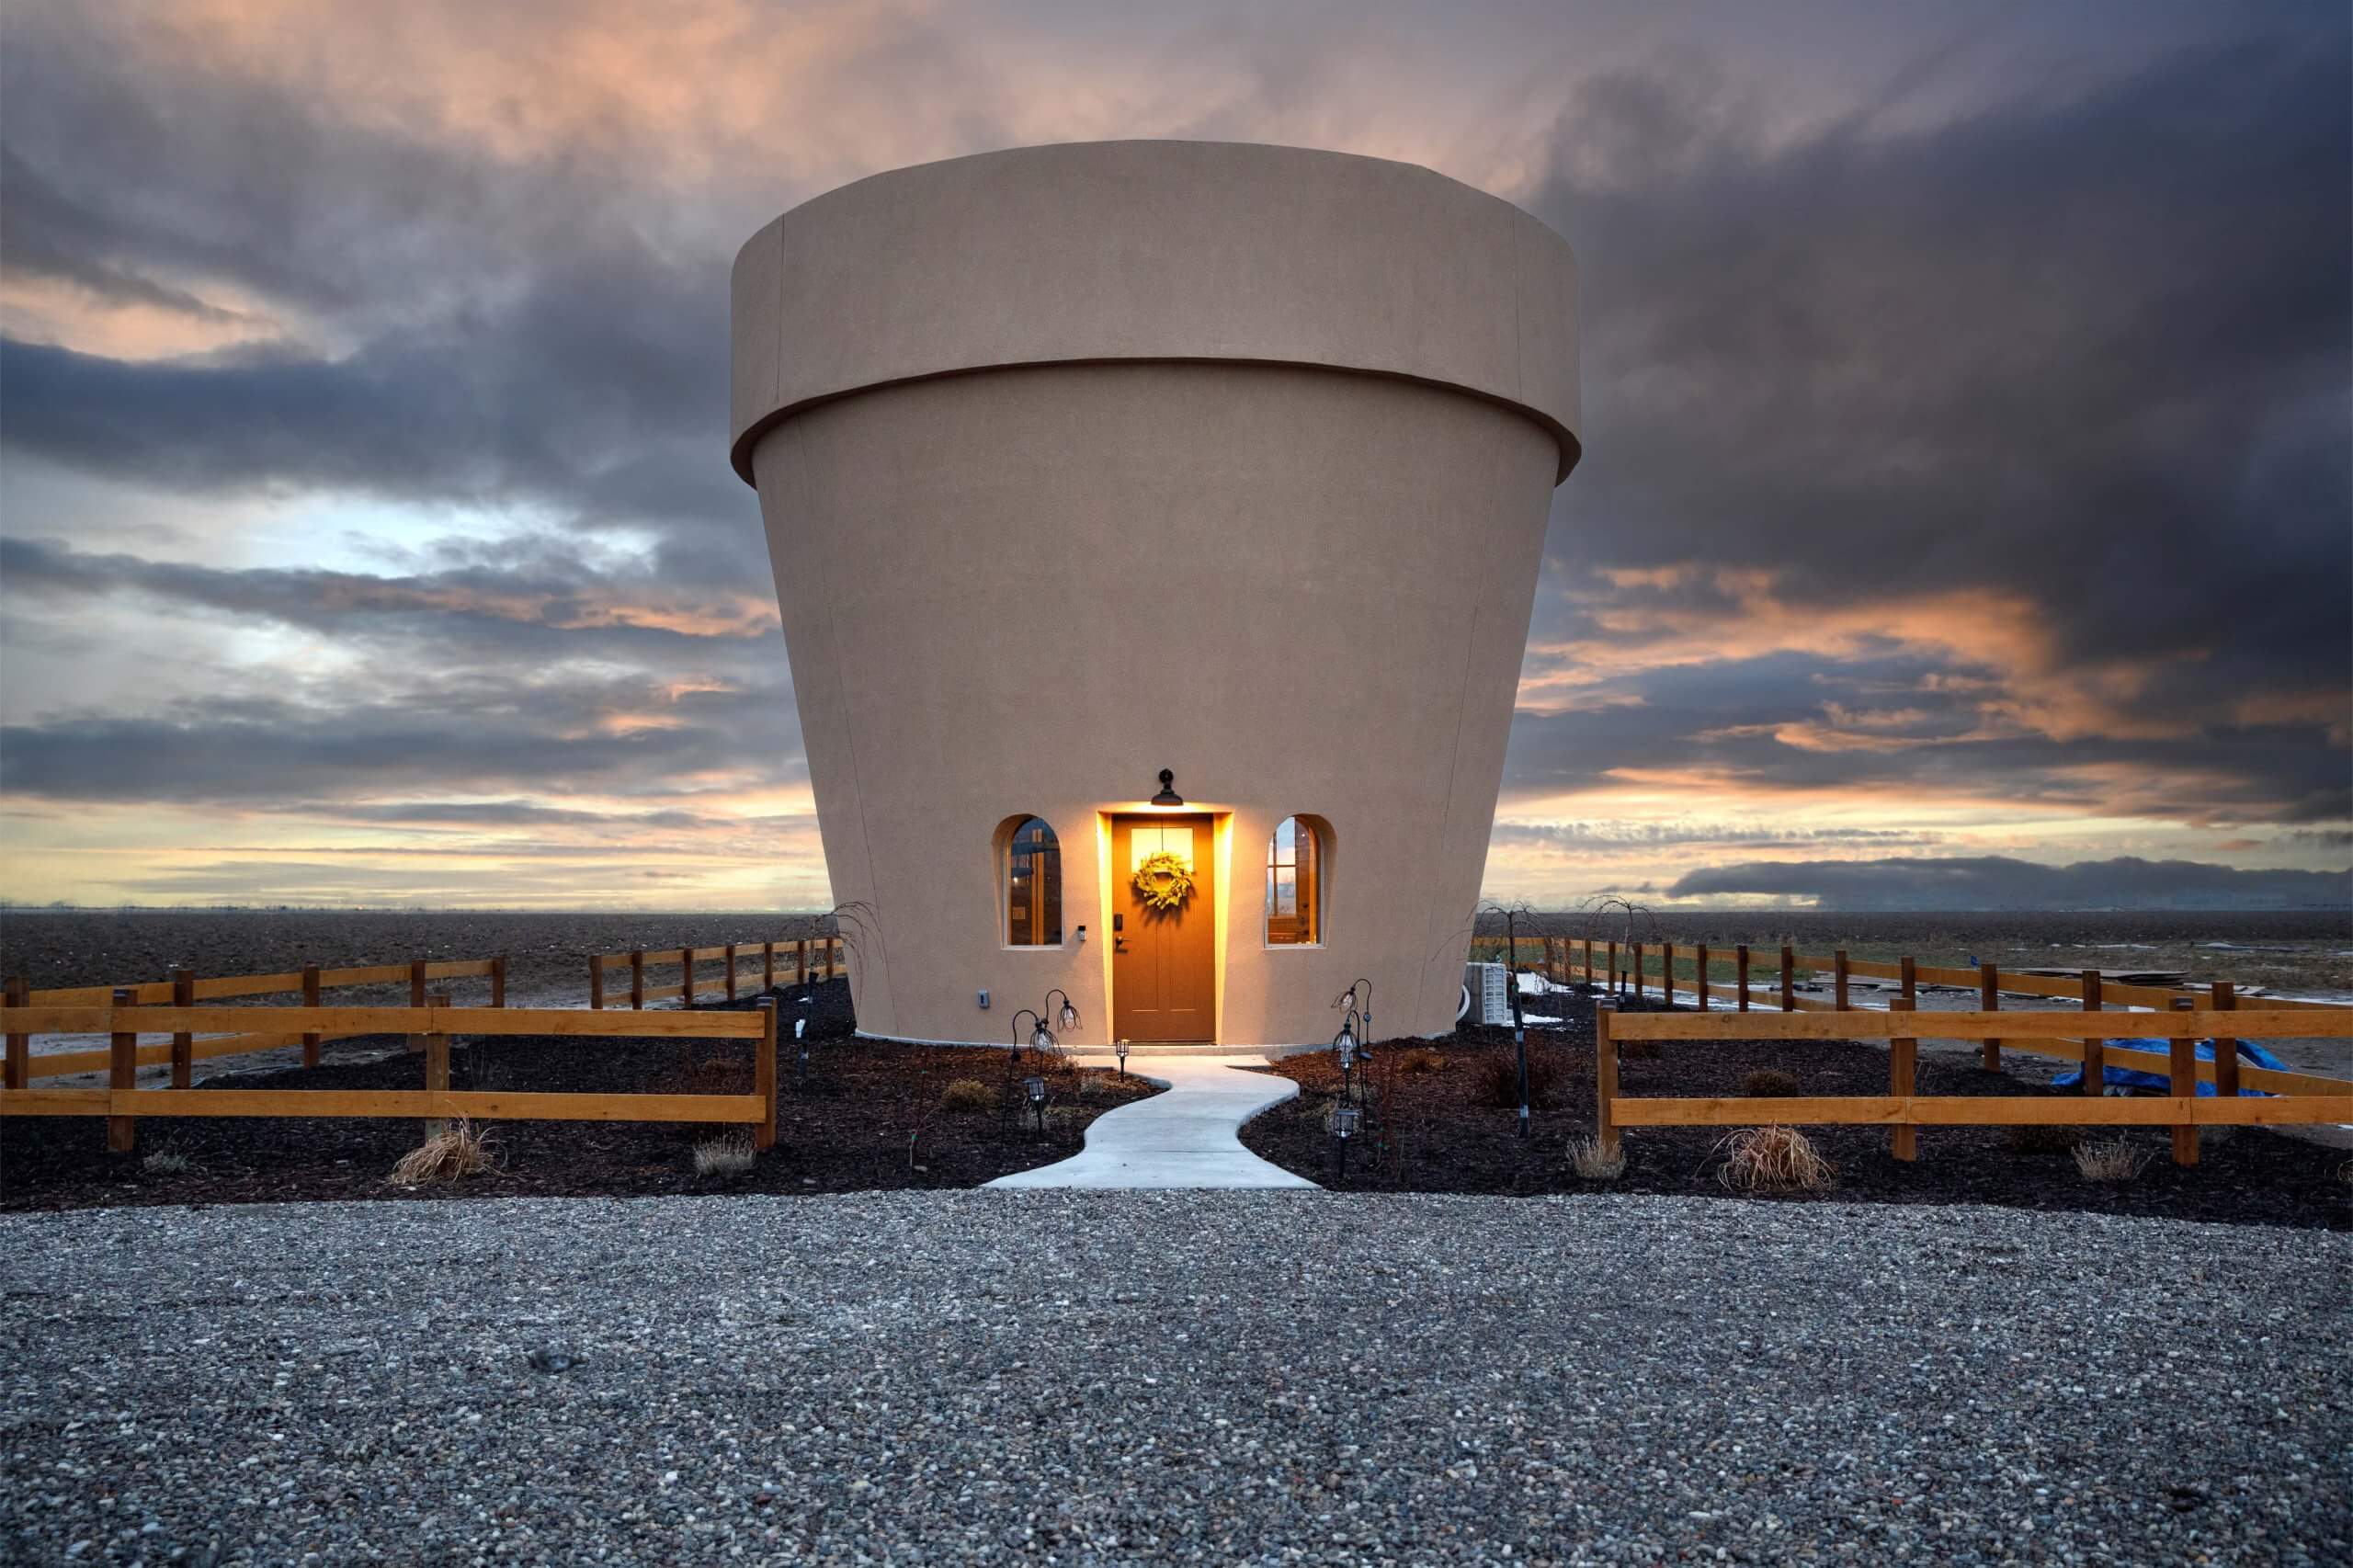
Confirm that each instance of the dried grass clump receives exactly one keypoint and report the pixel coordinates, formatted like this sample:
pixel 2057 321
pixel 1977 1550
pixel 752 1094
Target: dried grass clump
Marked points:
pixel 2043 1138
pixel 722 1156
pixel 1769 1083
pixel 1500 1079
pixel 968 1095
pixel 167 1162
pixel 1594 1161
pixel 451 1154
pixel 1774 1159
pixel 2112 1159
pixel 1420 1059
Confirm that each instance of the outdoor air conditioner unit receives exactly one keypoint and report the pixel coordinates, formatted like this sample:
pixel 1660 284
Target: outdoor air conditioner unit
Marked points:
pixel 1490 988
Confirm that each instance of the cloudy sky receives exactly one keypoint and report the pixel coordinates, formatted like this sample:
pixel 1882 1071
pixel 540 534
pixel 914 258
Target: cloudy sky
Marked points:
pixel 1964 517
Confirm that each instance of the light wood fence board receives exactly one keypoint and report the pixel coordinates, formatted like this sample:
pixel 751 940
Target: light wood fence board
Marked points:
pixel 424 1104
pixel 1961 1110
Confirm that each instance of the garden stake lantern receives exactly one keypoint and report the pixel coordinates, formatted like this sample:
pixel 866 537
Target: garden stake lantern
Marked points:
pixel 801 1038
pixel 1038 1028
pixel 1344 1127
pixel 1122 1049
pixel 1067 1018
pixel 1037 1087
pixel 1345 1046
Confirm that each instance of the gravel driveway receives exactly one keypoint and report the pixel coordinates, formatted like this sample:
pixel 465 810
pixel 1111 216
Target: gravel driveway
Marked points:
pixel 1145 1377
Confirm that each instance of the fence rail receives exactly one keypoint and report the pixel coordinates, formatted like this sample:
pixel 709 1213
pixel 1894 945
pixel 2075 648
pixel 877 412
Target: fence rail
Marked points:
pixel 268 1028
pixel 733 956
pixel 2299 1097
pixel 429 1028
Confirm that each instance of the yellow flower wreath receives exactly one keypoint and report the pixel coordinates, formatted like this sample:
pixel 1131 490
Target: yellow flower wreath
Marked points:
pixel 1164 880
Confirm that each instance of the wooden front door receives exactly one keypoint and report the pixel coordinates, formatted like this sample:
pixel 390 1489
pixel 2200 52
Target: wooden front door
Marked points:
pixel 1164 961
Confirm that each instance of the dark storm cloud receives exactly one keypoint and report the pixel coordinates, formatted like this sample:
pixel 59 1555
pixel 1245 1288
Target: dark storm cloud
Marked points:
pixel 2089 351
pixel 530 600
pixel 1996 881
pixel 519 337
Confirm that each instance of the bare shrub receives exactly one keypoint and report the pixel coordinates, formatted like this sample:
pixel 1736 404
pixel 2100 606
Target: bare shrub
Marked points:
pixel 1500 1079
pixel 968 1095
pixel 1769 1083
pixel 2112 1159
pixel 2043 1138
pixel 1420 1059
pixel 722 1156
pixel 1773 1159
pixel 167 1162
pixel 1594 1161
pixel 454 1152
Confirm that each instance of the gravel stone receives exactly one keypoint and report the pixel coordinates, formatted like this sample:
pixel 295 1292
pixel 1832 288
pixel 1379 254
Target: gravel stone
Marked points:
pixel 1114 1378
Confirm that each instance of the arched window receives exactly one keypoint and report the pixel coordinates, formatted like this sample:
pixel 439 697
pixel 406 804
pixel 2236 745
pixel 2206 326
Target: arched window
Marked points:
pixel 1033 886
pixel 1294 885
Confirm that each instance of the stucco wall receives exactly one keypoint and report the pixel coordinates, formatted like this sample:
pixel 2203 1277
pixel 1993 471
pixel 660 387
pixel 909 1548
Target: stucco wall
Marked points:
pixel 1301 578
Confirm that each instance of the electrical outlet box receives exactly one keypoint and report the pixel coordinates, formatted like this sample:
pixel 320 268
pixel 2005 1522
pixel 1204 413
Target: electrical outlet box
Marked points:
pixel 984 1000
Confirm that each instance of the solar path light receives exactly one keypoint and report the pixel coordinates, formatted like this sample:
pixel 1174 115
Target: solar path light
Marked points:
pixel 1344 1119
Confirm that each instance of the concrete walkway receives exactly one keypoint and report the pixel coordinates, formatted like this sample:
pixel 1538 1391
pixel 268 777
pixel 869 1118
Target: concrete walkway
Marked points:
pixel 1184 1138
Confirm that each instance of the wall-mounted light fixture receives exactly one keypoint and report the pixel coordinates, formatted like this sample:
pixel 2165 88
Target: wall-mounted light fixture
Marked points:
pixel 1168 795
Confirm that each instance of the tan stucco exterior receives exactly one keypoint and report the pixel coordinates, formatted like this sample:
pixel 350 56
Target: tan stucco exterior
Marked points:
pixel 1079 462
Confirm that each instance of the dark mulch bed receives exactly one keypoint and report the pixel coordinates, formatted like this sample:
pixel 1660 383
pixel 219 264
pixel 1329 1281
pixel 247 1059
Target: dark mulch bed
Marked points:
pixel 1445 1133
pixel 867 1116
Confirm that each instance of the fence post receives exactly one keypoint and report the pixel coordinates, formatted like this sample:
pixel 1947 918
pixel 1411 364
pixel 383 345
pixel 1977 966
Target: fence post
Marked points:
pixel 764 1077
pixel 498 981
pixel 1666 973
pixel 1638 972
pixel 637 979
pixel 2095 1047
pixel 687 978
pixel 1904 970
pixel 436 1060
pixel 416 983
pixel 1903 1064
pixel 1700 962
pixel 1788 980
pixel 1740 957
pixel 183 1041
pixel 2226 1052
pixel 800 963
pixel 1605 1078
pixel 1613 966
pixel 20 1046
pixel 596 982
pixel 311 1039
pixel 731 971
pixel 768 966
pixel 2182 1083
pixel 1588 960
pixel 122 1075
pixel 1989 1000
pixel 1838 980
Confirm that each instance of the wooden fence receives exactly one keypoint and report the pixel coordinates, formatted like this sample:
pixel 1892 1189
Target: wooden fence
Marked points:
pixel 1778 978
pixel 2300 1098
pixel 733 956
pixel 185 989
pixel 429 1028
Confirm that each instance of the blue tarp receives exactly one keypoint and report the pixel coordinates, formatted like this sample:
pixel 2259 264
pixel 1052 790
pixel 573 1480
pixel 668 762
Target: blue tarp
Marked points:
pixel 2117 1077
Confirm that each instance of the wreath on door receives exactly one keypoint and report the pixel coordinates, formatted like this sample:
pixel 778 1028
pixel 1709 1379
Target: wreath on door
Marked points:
pixel 1163 881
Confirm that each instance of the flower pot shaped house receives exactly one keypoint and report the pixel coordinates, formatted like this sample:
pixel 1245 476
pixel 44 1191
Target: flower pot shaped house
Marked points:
pixel 1155 526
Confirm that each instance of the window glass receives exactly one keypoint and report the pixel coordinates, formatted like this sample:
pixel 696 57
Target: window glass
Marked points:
pixel 1293 902
pixel 1033 901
